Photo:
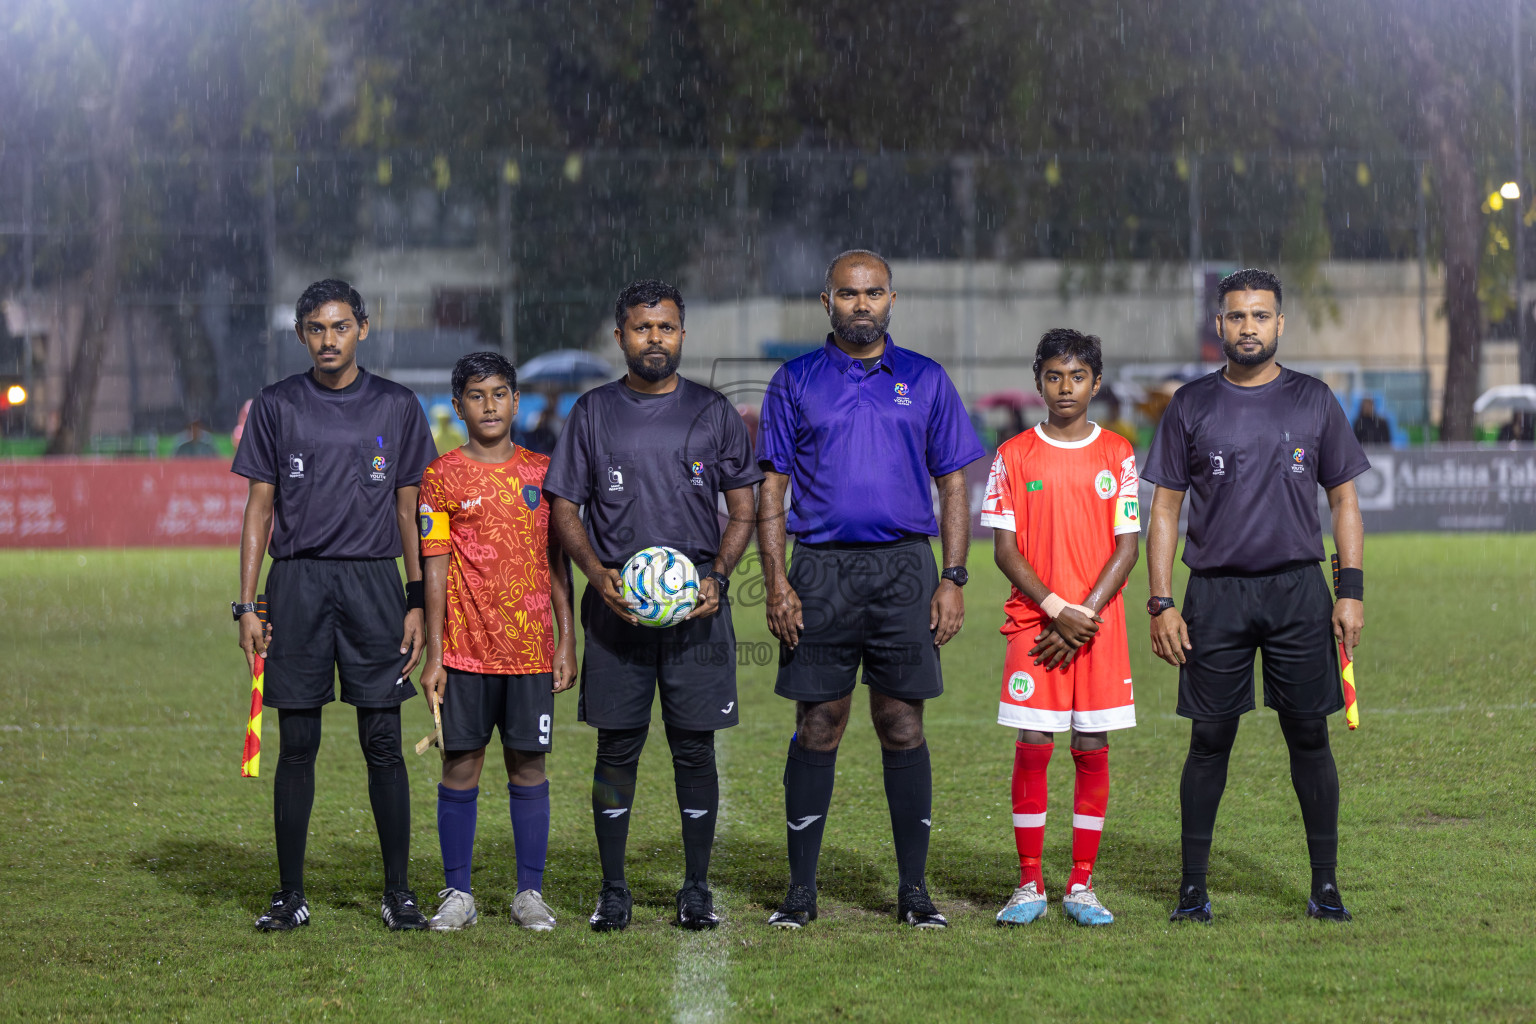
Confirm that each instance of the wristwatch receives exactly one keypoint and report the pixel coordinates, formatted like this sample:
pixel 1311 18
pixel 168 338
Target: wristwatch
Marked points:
pixel 721 580
pixel 956 575
pixel 1157 605
pixel 237 610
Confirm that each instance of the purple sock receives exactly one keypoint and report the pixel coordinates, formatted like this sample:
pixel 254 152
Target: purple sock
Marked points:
pixel 456 833
pixel 529 807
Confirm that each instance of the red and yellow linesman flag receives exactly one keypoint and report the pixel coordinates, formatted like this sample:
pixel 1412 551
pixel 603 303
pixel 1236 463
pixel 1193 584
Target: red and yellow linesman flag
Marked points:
pixel 1346 668
pixel 250 759
pixel 1351 703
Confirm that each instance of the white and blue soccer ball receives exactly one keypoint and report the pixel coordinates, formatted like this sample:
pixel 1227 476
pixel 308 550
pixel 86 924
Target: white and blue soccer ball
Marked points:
pixel 661 585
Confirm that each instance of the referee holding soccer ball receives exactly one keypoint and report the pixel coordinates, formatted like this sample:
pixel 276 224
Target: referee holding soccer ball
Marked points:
pixel 648 456
pixel 1251 444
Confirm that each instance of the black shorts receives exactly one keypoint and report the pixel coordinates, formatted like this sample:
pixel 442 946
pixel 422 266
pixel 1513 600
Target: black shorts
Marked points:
pixel 694 663
pixel 864 603
pixel 521 706
pixel 333 617
pixel 1288 616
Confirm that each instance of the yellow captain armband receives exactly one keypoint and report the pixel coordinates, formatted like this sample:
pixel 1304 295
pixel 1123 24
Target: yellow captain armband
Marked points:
pixel 1127 514
pixel 434 525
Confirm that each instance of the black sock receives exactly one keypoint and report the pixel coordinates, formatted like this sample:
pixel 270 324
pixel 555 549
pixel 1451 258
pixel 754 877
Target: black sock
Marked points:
pixel 389 790
pixel 698 798
pixel 613 794
pixel 909 793
pixel 293 790
pixel 808 779
pixel 1200 789
pixel 1316 780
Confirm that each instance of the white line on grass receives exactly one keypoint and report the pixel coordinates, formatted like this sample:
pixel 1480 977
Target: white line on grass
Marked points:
pixel 700 990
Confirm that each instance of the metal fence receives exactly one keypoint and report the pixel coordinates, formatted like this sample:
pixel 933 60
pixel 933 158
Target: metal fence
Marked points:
pixel 213 241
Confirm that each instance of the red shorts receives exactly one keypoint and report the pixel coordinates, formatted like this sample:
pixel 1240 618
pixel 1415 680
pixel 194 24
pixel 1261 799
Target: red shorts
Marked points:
pixel 1092 694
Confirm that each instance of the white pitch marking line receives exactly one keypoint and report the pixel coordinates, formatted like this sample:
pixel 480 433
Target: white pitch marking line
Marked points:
pixel 699 982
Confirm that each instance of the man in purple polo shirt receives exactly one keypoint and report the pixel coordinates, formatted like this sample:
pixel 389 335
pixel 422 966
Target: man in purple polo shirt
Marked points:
pixel 859 428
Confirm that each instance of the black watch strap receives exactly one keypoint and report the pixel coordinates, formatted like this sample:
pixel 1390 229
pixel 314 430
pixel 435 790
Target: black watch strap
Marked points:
pixel 236 609
pixel 956 574
pixel 721 580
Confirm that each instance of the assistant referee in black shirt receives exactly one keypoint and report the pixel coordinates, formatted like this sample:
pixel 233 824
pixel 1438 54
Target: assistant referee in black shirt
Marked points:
pixel 1251 444
pixel 334 457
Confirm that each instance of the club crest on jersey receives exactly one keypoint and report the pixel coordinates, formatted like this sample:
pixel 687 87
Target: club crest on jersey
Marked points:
pixel 901 395
pixel 1104 484
pixel 1020 686
pixel 531 497
pixel 1299 460
pixel 434 525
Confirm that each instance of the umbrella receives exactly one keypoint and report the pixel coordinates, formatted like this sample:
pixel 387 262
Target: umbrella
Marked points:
pixel 1514 397
pixel 564 366
pixel 1009 400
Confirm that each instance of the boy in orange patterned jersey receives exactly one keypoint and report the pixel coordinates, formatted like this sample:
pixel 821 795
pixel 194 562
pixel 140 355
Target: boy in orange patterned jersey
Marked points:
pixel 497 587
pixel 1062 504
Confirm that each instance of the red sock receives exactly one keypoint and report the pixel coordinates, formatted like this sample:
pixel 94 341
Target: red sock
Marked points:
pixel 1090 797
pixel 1029 763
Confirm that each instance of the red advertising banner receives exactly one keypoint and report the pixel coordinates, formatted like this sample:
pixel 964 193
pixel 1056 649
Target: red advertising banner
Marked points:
pixel 119 503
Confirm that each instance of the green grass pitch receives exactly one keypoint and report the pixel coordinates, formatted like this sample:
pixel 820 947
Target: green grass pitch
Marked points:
pixel 134 859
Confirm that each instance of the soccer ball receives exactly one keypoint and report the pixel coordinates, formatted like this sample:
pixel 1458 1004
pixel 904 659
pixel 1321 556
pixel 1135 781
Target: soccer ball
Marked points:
pixel 661 585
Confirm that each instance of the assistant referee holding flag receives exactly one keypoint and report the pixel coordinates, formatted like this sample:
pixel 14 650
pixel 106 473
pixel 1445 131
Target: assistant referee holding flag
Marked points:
pixel 1251 444
pixel 859 428
pixel 335 457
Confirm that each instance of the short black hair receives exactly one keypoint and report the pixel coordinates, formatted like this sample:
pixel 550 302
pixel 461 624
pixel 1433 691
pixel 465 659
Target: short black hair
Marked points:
pixel 1064 342
pixel 859 254
pixel 1249 280
pixel 646 293
pixel 479 366
pixel 329 290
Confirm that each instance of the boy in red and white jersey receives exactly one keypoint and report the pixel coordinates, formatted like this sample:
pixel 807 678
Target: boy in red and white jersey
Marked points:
pixel 1062 504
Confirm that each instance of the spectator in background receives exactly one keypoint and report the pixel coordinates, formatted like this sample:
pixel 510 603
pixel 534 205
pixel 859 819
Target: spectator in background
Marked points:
pixel 1369 427
pixel 240 417
pixel 196 445
pixel 545 433
pixel 1521 427
pixel 446 434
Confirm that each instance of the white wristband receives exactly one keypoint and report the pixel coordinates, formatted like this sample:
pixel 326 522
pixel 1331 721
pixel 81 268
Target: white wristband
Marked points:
pixel 1053 605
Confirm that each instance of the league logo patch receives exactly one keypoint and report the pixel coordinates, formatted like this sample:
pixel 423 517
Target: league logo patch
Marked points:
pixel 901 395
pixel 615 479
pixel 1020 686
pixel 1104 484
pixel 296 466
pixel 697 479
pixel 1299 460
pixel 697 467
pixel 379 466
pixel 1218 464
pixel 531 497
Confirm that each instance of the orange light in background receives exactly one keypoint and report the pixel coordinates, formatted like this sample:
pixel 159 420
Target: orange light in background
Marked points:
pixel 16 395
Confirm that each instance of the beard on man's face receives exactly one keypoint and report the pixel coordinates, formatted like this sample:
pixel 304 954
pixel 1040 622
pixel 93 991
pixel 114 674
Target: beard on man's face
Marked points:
pixel 860 335
pixel 652 370
pixel 1241 358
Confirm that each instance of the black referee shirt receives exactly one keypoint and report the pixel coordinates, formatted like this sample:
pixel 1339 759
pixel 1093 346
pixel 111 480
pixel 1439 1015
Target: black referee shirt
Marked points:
pixel 336 458
pixel 649 468
pixel 1252 460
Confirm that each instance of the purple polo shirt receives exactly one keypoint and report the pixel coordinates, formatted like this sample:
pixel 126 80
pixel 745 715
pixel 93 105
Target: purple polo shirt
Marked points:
pixel 860 446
